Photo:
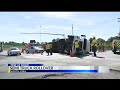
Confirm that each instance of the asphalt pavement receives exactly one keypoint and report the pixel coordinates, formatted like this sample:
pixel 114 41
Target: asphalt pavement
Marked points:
pixel 103 59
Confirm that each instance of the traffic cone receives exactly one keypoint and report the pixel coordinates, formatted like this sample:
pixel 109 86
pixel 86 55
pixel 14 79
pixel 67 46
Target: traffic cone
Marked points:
pixel 25 51
pixel 70 53
pixel 22 51
pixel 33 52
pixel 41 52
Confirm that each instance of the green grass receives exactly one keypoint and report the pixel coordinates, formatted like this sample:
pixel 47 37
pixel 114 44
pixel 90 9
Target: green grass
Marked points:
pixel 6 47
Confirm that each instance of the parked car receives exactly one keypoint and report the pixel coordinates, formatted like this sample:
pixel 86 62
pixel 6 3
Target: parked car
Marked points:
pixel 13 51
pixel 35 49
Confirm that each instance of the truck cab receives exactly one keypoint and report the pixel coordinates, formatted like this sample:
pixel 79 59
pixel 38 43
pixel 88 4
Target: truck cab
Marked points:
pixel 115 46
pixel 83 42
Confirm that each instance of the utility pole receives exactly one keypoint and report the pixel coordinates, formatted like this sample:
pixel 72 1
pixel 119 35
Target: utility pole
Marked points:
pixel 119 27
pixel 72 29
pixel 40 34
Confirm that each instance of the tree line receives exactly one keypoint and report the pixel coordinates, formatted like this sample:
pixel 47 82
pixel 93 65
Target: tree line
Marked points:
pixel 107 43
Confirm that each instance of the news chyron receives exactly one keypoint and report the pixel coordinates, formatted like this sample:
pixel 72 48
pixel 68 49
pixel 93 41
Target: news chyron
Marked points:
pixel 25 68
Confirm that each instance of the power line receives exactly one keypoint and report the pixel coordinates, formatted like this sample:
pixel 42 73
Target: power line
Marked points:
pixel 46 33
pixel 40 35
pixel 119 27
pixel 72 29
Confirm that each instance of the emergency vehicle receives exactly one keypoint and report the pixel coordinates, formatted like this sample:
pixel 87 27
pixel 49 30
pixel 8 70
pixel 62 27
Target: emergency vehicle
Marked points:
pixel 115 46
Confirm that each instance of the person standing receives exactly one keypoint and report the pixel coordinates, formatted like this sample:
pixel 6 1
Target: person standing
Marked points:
pixel 48 48
pixel 77 47
pixel 51 49
pixel 103 47
pixel 94 46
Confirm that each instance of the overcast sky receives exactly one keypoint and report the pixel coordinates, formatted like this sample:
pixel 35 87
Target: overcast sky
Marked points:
pixel 99 24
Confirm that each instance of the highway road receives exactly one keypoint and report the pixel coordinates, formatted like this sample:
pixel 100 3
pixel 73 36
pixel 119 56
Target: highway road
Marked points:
pixel 102 59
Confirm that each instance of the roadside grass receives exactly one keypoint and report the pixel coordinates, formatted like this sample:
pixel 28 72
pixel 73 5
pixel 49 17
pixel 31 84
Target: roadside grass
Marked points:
pixel 6 47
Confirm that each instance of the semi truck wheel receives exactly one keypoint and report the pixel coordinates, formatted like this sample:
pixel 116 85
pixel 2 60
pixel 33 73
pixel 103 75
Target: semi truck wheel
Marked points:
pixel 114 50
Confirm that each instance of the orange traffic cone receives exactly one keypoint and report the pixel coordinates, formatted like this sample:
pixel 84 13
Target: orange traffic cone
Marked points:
pixel 22 51
pixel 25 51
pixel 70 53
pixel 41 52
pixel 33 52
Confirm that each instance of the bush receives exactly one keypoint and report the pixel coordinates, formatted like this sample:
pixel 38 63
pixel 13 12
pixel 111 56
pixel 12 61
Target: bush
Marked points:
pixel 108 46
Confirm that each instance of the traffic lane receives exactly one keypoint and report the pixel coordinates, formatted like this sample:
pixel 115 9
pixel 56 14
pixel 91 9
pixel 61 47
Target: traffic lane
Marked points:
pixel 16 59
pixel 110 75
pixel 6 57
pixel 5 75
pixel 102 59
pixel 25 60
pixel 28 58
pixel 55 59
pixel 3 56
pixel 8 60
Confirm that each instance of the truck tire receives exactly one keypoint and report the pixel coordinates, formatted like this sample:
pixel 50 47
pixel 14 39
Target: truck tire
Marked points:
pixel 27 52
pixel 114 50
pixel 9 54
pixel 36 51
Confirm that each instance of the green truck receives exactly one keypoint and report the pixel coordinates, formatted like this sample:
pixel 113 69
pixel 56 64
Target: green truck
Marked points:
pixel 116 46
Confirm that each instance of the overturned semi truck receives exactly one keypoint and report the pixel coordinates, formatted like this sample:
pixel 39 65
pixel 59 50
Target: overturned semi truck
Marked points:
pixel 64 46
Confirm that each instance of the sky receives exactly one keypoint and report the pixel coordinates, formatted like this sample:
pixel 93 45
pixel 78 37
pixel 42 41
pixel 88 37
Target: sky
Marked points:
pixel 98 24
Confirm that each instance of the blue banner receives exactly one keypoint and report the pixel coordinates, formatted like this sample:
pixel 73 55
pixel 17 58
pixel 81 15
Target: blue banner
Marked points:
pixel 65 71
pixel 25 65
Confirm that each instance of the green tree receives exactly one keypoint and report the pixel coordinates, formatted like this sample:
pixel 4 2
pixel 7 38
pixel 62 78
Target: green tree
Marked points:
pixel 38 43
pixel 100 40
pixel 53 40
pixel 112 38
pixel 109 41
